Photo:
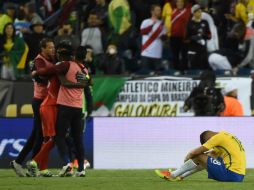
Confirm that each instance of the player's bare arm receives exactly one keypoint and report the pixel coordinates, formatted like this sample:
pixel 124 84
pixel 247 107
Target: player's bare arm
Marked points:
pixel 196 152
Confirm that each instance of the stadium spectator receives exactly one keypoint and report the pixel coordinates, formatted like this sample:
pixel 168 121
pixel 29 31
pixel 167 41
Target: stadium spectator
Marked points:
pixel 232 106
pixel 48 7
pixel 218 9
pixel 250 23
pixel 111 63
pixel 152 30
pixel 43 59
pixel 34 37
pixel 221 154
pixel 32 15
pixel 93 37
pixel 213 43
pixel 238 11
pixel 65 33
pixel 241 11
pixel 8 16
pixel 239 51
pixel 13 54
pixel 179 20
pixel 250 6
pixel 121 21
pixel 101 9
pixel 197 35
pixel 20 23
pixel 88 63
pixel 225 19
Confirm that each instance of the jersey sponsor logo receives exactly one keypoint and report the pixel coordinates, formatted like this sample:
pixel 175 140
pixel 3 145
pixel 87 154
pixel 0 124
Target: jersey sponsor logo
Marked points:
pixel 11 147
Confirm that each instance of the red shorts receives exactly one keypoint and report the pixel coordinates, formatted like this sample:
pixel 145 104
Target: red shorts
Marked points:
pixel 48 119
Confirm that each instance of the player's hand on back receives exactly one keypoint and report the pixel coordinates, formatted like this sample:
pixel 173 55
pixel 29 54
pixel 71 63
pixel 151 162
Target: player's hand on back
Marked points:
pixel 33 73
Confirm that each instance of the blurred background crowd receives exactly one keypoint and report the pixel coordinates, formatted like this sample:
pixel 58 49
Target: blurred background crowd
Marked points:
pixel 146 37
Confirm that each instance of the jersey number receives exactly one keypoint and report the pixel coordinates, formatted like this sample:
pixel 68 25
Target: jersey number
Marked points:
pixel 216 162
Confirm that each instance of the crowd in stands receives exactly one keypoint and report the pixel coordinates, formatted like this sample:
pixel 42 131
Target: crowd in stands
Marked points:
pixel 144 37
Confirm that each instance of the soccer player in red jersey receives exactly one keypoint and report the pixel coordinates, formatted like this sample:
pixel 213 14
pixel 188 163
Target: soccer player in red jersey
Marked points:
pixel 49 108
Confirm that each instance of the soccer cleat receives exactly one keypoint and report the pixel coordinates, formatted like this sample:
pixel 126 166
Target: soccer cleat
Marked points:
pixel 167 175
pixel 32 169
pixel 17 168
pixel 45 173
pixel 65 170
pixel 70 173
pixel 74 164
pixel 80 174
pixel 162 174
pixel 86 164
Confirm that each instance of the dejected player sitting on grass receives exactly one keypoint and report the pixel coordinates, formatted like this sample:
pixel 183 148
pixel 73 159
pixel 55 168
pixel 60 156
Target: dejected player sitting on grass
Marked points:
pixel 221 154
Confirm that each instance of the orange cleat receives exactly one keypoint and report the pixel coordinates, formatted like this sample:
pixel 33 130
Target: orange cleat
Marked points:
pixel 167 175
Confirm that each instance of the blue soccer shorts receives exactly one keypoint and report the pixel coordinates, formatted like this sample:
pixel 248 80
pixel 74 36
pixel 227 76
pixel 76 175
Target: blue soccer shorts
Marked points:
pixel 216 170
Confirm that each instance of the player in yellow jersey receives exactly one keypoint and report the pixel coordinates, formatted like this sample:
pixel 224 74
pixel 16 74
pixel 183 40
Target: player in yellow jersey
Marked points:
pixel 221 154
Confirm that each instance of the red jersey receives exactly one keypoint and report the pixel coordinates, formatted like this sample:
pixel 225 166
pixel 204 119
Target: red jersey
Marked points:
pixel 179 21
pixel 53 88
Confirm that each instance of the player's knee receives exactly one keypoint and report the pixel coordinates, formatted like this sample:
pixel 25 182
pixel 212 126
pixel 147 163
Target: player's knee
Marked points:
pixel 200 159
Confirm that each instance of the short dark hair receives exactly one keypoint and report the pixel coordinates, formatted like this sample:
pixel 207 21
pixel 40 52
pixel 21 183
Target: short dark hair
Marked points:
pixel 64 50
pixel 152 7
pixel 44 41
pixel 80 53
pixel 203 137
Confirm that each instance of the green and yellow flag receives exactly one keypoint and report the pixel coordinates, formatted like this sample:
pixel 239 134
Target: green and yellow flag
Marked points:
pixel 119 15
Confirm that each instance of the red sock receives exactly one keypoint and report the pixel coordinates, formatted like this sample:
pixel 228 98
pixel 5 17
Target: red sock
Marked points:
pixel 44 163
pixel 42 157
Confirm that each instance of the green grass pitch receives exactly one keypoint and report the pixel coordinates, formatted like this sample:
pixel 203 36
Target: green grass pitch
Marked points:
pixel 119 180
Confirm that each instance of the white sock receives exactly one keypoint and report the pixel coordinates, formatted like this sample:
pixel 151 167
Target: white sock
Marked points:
pixel 188 173
pixel 187 166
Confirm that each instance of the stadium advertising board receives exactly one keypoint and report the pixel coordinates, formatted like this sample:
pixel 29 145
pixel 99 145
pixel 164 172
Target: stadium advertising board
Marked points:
pixel 148 143
pixel 165 96
pixel 152 96
pixel 14 134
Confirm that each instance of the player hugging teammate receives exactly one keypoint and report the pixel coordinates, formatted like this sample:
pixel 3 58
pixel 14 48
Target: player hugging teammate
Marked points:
pixel 60 112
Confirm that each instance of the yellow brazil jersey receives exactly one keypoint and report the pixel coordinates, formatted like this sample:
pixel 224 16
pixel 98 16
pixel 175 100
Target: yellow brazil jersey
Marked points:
pixel 241 12
pixel 250 6
pixel 7 47
pixel 230 149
